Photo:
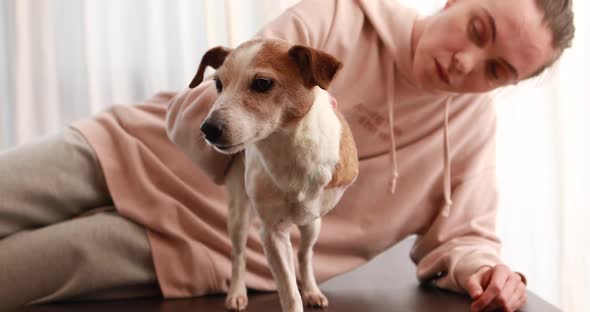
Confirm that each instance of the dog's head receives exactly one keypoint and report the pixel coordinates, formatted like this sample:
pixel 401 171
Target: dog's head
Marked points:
pixel 263 86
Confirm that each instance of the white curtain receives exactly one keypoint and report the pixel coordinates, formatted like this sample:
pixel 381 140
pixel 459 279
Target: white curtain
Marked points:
pixel 65 59
pixel 543 153
pixel 573 153
pixel 61 60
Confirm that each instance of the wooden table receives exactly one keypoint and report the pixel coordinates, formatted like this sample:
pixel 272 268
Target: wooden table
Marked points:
pixel 387 283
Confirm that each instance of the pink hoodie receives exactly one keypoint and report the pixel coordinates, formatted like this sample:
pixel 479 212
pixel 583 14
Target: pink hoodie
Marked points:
pixel 437 183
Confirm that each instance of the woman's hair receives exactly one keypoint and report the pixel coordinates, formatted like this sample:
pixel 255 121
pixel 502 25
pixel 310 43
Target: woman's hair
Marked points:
pixel 559 17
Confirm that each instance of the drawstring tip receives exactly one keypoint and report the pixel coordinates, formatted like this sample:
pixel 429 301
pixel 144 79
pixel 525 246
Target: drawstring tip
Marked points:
pixel 393 183
pixel 447 209
pixel 446 212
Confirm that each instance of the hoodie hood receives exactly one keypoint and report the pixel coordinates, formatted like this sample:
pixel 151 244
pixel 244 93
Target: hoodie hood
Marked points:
pixel 394 32
pixel 384 17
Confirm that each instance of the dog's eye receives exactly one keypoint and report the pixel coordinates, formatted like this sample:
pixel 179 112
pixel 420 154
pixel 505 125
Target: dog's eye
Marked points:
pixel 261 84
pixel 218 85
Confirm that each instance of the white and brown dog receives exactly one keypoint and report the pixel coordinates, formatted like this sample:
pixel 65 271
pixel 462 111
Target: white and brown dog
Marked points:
pixel 296 155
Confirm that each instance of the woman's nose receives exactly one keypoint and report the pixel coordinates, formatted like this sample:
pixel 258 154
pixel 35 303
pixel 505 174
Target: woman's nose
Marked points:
pixel 463 63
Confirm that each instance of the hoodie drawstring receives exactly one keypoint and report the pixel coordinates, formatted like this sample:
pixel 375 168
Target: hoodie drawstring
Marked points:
pixel 447 169
pixel 394 174
pixel 393 161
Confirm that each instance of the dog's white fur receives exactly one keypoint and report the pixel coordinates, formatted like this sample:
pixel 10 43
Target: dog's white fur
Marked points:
pixel 284 175
pixel 296 162
pixel 281 176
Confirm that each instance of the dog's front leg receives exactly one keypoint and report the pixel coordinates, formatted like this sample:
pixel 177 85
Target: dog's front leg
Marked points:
pixel 239 222
pixel 312 296
pixel 278 250
pixel 240 218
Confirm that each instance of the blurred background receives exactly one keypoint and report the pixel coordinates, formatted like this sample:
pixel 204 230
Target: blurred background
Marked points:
pixel 61 60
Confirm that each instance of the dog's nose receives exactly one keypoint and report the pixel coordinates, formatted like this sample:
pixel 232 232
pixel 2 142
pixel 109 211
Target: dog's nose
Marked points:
pixel 212 130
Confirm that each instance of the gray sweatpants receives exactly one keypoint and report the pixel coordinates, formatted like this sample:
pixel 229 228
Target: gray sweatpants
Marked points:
pixel 60 235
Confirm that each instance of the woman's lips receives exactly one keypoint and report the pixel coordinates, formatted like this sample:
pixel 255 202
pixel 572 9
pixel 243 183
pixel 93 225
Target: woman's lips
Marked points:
pixel 441 73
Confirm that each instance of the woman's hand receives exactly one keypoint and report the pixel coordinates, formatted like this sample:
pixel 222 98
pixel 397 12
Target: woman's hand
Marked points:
pixel 496 288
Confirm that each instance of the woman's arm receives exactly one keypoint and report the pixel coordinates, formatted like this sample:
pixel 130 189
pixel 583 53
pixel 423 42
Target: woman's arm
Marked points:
pixel 455 246
pixel 461 251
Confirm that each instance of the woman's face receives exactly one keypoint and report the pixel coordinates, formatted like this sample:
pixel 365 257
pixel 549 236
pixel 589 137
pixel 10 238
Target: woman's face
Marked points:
pixel 479 45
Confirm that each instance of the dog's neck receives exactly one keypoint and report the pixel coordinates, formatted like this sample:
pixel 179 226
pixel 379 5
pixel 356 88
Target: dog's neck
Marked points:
pixel 301 158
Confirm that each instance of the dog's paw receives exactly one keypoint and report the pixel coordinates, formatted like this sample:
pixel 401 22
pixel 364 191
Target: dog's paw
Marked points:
pixel 315 299
pixel 236 302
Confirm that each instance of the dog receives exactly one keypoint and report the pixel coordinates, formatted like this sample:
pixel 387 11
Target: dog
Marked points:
pixel 294 156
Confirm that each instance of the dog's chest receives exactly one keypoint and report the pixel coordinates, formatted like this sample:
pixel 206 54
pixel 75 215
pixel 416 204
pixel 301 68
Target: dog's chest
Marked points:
pixel 288 197
pixel 286 173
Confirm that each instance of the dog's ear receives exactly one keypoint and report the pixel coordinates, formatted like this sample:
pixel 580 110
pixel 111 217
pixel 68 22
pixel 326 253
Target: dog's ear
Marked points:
pixel 316 67
pixel 214 58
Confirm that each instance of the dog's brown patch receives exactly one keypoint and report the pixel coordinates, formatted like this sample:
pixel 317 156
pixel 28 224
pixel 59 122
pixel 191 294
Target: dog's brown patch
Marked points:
pixel 289 91
pixel 295 97
pixel 316 67
pixel 285 65
pixel 347 168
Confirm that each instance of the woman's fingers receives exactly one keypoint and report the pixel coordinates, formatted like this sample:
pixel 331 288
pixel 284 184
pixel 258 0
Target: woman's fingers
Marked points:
pixel 508 294
pixel 499 277
pixel 510 297
pixel 477 282
pixel 519 298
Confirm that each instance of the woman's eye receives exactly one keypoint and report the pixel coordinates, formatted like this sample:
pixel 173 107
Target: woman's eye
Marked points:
pixel 493 70
pixel 476 30
pixel 262 84
pixel 218 85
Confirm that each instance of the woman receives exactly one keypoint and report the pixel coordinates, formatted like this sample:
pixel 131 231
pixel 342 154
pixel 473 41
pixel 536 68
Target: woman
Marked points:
pixel 413 90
